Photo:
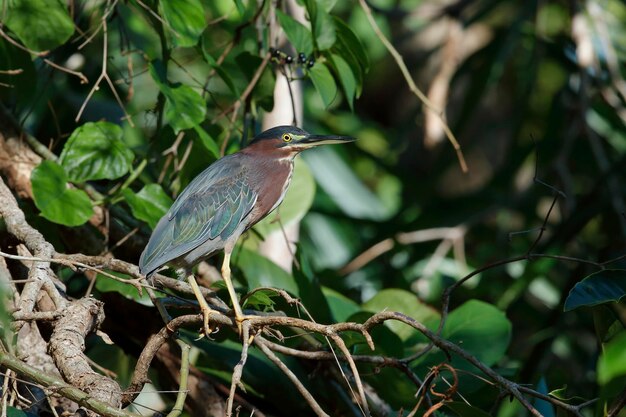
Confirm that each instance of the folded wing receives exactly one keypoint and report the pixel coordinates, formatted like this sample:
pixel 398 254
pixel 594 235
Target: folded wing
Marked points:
pixel 209 209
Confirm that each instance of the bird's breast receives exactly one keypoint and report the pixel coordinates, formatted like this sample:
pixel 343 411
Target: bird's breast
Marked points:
pixel 272 182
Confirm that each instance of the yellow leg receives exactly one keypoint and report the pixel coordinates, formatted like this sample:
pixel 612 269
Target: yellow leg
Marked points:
pixel 239 317
pixel 204 306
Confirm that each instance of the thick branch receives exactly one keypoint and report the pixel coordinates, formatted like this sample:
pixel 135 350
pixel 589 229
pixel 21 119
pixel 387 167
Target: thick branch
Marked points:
pixel 58 386
pixel 33 239
pixel 66 347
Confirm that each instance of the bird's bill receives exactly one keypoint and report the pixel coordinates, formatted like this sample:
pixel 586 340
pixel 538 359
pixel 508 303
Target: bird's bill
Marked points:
pixel 315 140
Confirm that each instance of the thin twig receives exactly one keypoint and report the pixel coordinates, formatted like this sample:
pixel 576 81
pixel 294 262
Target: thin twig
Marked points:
pixel 355 373
pixel 9 39
pixel 104 75
pixel 412 86
pixel 238 371
pixel 73 264
pixel 263 345
pixel 83 78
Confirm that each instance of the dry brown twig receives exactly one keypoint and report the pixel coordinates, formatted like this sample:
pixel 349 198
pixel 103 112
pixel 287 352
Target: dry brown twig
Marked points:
pixel 104 75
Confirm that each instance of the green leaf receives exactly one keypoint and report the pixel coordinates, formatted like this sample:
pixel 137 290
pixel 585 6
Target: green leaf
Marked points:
pixel 16 412
pixel 598 288
pixel 322 24
pixel 241 8
pixel 41 25
pixel 337 179
pixel 159 74
pixel 310 290
pixel 96 151
pixel 149 204
pixel 261 272
pixel 405 302
pixel 481 329
pixel 186 19
pixel 184 107
pixel 207 141
pixel 324 83
pixel 296 203
pixel 341 307
pixel 261 300
pixel 612 363
pixel 296 32
pixel 58 203
pixel 346 77
pixel 347 37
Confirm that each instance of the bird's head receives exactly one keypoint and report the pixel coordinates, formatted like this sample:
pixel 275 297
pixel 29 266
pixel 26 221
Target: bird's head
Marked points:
pixel 292 140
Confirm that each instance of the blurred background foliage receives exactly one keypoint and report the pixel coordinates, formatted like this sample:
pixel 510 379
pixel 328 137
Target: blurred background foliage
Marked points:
pixel 534 91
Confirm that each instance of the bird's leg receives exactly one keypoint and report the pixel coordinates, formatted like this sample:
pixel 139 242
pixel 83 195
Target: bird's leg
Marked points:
pixel 204 306
pixel 239 318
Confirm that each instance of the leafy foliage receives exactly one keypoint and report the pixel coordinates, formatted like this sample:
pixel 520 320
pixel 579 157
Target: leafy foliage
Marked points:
pixel 531 90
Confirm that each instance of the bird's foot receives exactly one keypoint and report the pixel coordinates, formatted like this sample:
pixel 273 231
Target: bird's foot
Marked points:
pixel 207 330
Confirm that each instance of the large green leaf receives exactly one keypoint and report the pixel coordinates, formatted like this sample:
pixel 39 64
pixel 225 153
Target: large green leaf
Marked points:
pixel 324 83
pixel 341 307
pixel 310 290
pixel 612 363
pixel 297 202
pixel 261 272
pixel 344 187
pixel 348 38
pixel 186 19
pixel 481 329
pixel 296 32
pixel 322 24
pixel 58 203
pixel 405 302
pixel 149 204
pixel 346 77
pixel 207 141
pixel 598 288
pixel 184 107
pixel 40 24
pixel 96 151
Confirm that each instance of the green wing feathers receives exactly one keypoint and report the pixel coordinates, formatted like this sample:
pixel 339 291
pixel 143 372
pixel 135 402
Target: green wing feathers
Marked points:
pixel 211 207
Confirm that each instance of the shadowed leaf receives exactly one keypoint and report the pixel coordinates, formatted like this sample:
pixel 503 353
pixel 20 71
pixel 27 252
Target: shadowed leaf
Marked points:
pixel 58 203
pixel 601 287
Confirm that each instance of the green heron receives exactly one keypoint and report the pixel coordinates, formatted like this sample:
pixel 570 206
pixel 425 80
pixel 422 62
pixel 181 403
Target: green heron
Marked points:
pixel 224 201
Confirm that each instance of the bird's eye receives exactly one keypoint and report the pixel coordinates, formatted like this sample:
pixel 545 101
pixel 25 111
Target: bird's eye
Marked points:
pixel 287 137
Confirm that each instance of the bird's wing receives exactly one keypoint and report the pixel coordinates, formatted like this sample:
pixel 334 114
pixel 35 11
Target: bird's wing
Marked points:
pixel 211 206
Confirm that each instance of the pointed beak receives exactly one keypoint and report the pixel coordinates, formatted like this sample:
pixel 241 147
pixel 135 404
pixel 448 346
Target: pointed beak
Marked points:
pixel 315 140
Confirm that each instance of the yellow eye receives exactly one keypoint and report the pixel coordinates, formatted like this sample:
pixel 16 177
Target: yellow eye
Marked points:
pixel 287 137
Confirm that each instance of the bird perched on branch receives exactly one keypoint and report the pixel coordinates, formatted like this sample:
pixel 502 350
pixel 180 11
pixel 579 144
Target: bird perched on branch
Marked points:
pixel 224 201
